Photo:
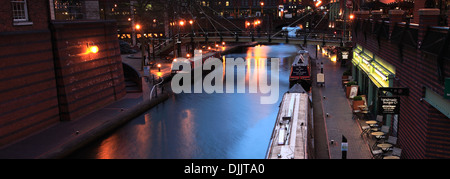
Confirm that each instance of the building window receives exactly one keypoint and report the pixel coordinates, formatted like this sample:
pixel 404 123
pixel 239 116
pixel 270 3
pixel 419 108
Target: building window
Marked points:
pixel 227 3
pixel 19 10
pixel 69 9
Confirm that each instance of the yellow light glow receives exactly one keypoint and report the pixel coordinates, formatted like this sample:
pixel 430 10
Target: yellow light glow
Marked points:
pixel 333 58
pixel 181 23
pixel 93 49
pixel 138 26
pixel 318 3
pixel 159 65
pixel 159 74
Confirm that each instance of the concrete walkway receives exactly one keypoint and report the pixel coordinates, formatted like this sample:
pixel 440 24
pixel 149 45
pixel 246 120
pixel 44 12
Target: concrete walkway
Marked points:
pixel 339 121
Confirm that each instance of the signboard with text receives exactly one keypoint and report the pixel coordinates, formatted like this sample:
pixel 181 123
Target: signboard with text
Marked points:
pixel 388 105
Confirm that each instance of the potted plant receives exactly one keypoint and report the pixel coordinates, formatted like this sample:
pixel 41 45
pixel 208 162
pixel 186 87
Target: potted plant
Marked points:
pixel 346 74
pixel 357 101
pixel 348 87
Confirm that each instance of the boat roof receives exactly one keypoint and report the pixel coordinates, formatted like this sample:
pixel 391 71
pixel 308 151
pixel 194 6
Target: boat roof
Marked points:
pixel 297 88
pixel 300 60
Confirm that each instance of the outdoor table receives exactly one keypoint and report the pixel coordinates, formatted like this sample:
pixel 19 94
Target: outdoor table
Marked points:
pixel 384 147
pixel 371 123
pixel 377 133
pixel 391 157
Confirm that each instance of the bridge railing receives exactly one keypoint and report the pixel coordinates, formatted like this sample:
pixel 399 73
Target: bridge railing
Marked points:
pixel 254 35
pixel 249 34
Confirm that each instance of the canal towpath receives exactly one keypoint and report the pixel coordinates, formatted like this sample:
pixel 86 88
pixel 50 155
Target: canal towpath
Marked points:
pixel 333 113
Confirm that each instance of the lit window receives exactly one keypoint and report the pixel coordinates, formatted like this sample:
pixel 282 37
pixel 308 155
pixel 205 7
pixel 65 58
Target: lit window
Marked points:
pixel 227 3
pixel 19 10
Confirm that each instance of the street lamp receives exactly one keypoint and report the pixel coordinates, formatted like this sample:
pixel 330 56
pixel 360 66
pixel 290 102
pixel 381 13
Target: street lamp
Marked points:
pixel 138 27
pixel 351 16
pixel 318 3
pixel 262 8
pixel 93 49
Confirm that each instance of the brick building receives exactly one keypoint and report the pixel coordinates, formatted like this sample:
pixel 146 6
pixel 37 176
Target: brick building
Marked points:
pixel 416 56
pixel 47 72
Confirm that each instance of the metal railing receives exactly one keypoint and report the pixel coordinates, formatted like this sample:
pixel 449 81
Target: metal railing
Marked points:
pixel 254 36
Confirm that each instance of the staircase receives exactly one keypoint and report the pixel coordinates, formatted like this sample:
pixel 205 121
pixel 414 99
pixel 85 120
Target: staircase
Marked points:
pixel 133 82
pixel 131 86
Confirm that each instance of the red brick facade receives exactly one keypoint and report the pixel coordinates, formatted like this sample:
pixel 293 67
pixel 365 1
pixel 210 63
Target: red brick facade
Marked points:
pixel 40 83
pixel 423 131
pixel 87 81
pixel 28 96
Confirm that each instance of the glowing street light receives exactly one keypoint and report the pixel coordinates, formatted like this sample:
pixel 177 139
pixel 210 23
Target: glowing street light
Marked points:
pixel 93 48
pixel 191 22
pixel 138 27
pixel 351 16
pixel 318 3
pixel 181 23
pixel 247 23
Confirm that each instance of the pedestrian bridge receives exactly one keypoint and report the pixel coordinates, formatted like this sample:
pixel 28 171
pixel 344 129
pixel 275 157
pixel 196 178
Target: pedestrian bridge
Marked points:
pixel 215 37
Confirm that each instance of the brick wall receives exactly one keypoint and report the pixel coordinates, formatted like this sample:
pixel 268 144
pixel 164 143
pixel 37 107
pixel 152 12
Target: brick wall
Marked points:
pixel 46 74
pixel 28 98
pixel 87 81
pixel 37 13
pixel 423 131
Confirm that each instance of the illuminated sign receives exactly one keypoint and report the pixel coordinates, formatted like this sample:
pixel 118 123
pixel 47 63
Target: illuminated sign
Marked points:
pixel 389 105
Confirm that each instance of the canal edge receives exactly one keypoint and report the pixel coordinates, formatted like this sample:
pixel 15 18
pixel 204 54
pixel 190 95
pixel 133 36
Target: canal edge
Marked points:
pixel 90 136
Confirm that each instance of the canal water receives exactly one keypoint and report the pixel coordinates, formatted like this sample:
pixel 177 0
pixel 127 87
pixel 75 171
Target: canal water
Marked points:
pixel 202 126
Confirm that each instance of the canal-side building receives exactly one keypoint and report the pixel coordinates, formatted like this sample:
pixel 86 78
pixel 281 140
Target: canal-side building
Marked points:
pixel 58 61
pixel 390 52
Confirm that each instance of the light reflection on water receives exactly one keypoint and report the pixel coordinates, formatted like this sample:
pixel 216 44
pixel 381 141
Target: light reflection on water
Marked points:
pixel 217 125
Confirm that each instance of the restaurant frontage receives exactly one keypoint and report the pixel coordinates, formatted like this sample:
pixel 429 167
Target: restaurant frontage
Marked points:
pixel 371 73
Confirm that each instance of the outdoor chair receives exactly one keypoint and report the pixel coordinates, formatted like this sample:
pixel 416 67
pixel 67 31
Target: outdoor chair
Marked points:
pixel 385 130
pixel 379 119
pixel 392 140
pixel 397 151
pixel 377 154
pixel 365 130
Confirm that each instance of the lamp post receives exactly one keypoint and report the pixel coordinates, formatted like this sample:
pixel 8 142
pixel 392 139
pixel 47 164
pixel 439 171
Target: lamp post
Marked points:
pixel 138 27
pixel 192 36
pixel 181 24
pixel 262 8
